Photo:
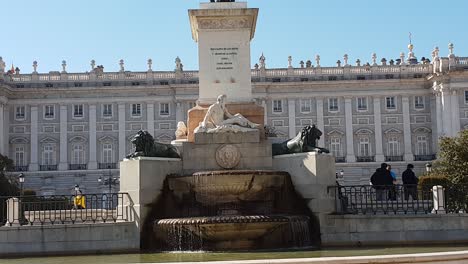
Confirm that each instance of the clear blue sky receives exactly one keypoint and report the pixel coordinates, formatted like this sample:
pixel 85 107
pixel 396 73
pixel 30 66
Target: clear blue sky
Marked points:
pixel 50 31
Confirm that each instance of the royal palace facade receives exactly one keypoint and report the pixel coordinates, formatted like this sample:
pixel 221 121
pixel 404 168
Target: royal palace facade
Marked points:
pixel 63 128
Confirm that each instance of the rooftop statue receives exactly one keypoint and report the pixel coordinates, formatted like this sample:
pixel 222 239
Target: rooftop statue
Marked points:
pixel 145 146
pixel 305 141
pixel 218 119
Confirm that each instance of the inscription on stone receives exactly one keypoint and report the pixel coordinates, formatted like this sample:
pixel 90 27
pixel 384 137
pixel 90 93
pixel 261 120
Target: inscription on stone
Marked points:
pixel 225 58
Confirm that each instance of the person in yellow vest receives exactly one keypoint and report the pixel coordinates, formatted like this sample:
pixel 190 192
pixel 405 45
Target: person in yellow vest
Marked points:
pixel 79 202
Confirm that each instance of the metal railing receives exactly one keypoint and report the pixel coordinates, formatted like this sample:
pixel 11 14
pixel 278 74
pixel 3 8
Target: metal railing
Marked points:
pixel 77 166
pixel 393 158
pixel 424 157
pixel 340 159
pixel 400 199
pixel 47 167
pixel 365 159
pixel 19 168
pixel 102 166
pixel 393 199
pixel 64 209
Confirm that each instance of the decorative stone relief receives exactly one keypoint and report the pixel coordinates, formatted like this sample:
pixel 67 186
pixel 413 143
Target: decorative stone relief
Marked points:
pixel 225 23
pixel 228 156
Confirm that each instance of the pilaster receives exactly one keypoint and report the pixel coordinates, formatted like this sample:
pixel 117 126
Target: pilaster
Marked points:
pixel 92 163
pixel 320 123
pixel 292 117
pixel 34 165
pixel 265 112
pixel 3 149
pixel 63 164
pixel 179 112
pixel 122 141
pixel 455 113
pixel 446 100
pixel 350 157
pixel 408 154
pixel 150 117
pixel 379 156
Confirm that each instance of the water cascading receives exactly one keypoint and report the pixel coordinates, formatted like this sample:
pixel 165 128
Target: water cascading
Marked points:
pixel 230 210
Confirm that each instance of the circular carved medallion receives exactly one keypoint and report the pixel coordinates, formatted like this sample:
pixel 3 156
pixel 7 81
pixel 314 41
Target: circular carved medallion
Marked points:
pixel 228 156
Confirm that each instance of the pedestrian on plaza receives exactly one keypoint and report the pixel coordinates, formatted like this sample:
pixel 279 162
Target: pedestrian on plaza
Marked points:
pixel 392 194
pixel 381 180
pixel 410 183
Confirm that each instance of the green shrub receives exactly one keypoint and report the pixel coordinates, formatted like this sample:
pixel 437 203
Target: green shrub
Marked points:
pixel 432 180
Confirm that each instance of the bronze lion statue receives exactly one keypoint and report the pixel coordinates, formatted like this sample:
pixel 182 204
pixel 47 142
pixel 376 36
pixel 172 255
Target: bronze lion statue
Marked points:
pixel 145 146
pixel 305 141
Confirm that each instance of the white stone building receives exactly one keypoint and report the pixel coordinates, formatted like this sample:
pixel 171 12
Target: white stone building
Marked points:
pixel 63 129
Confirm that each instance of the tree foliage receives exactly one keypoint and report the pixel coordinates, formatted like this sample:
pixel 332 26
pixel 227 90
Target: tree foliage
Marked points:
pixel 8 186
pixel 453 158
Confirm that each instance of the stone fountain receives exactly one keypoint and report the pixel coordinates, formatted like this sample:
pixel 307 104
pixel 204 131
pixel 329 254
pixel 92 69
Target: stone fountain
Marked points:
pixel 218 186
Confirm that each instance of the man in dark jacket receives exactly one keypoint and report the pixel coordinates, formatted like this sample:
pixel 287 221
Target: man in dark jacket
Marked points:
pixel 410 183
pixel 382 180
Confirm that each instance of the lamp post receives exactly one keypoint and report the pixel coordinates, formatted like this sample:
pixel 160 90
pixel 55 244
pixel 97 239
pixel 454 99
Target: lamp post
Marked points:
pixel 339 174
pixel 109 182
pixel 428 167
pixel 21 181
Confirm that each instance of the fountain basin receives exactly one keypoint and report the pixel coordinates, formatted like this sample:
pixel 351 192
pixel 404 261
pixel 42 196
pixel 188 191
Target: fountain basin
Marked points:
pixel 226 232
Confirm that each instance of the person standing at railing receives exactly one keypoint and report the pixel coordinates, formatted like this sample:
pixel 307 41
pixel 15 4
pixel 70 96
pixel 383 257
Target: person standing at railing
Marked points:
pixel 79 202
pixel 382 181
pixel 392 194
pixel 410 183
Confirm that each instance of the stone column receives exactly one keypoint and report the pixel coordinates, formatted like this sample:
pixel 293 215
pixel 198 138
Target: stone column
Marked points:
pixel 122 135
pixel 292 117
pixel 350 157
pixel 150 117
pixel 446 111
pixel 379 156
pixel 439 107
pixel 455 114
pixel 408 154
pixel 320 123
pixel 92 163
pixel 3 149
pixel 265 112
pixel 34 165
pixel 13 212
pixel 63 164
pixel 435 122
pixel 179 112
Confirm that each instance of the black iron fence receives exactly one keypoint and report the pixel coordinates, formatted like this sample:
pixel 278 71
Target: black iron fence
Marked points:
pixel 401 199
pixel 64 209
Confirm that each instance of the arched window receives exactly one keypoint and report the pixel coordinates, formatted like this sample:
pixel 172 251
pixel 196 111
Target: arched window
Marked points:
pixel 48 155
pixel 364 147
pixel 393 146
pixel 107 153
pixel 335 146
pixel 20 156
pixel 422 147
pixel 78 154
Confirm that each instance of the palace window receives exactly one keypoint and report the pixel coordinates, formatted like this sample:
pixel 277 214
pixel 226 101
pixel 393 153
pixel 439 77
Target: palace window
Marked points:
pixel 422 145
pixel 49 111
pixel 107 110
pixel 393 147
pixel 277 106
pixel 78 156
pixel 333 104
pixel 466 97
pixel 362 103
pixel 107 153
pixel 164 109
pixel 390 103
pixel 364 147
pixel 305 105
pixel 20 156
pixel 78 111
pixel 192 105
pixel 48 155
pixel 335 146
pixel 136 110
pixel 418 102
pixel 20 113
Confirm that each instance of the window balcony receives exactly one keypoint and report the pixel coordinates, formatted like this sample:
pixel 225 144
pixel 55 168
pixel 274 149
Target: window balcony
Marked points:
pixel 393 158
pixel 103 166
pixel 424 157
pixel 47 167
pixel 365 159
pixel 77 166
pixel 340 159
pixel 19 168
